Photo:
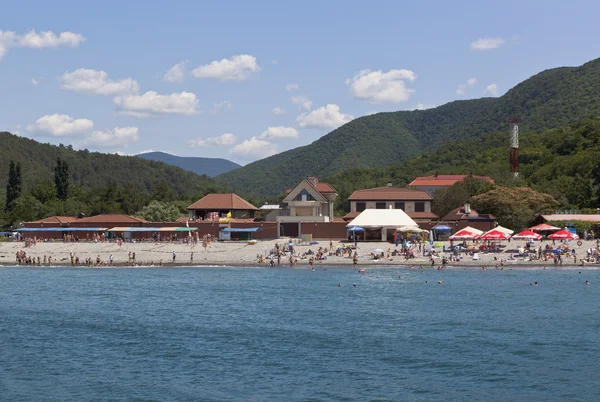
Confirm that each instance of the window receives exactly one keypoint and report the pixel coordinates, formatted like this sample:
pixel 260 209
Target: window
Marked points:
pixel 304 196
pixel 360 206
pixel 380 205
pixel 419 207
pixel 399 205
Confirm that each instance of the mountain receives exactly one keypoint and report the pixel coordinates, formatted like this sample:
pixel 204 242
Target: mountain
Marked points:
pixel 209 166
pixel 96 170
pixel 552 98
pixel 563 162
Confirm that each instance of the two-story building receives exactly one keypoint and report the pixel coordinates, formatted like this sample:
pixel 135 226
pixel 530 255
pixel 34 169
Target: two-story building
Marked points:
pixel 416 203
pixel 309 201
pixel 215 206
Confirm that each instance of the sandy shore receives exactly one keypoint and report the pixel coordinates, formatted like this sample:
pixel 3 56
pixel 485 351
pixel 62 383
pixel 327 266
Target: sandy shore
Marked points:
pixel 241 253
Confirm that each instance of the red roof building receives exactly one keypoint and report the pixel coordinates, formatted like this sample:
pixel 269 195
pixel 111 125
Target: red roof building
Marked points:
pixel 434 182
pixel 215 206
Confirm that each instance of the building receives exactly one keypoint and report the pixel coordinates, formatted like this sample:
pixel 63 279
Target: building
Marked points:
pixel 432 183
pixel 464 216
pixel 216 206
pixel 416 203
pixel 309 201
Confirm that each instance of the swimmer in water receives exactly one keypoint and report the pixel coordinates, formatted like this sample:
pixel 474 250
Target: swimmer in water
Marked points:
pixel 426 282
pixel 535 283
pixel 587 282
pixel 339 285
pixel 355 285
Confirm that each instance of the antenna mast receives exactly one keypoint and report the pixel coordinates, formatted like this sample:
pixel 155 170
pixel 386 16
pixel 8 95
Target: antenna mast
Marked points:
pixel 514 146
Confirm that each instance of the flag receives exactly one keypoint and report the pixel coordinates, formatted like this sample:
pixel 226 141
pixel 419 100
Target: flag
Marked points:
pixel 229 214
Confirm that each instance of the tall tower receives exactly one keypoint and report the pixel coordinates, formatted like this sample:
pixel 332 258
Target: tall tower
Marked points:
pixel 514 146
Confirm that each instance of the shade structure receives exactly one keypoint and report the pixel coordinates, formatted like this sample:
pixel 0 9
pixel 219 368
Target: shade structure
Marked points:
pixel 467 233
pixel 544 227
pixel 411 229
pixel 563 235
pixel 355 229
pixel 240 230
pixel 527 235
pixel 504 230
pixel 495 234
pixel 378 218
pixel 442 227
pixel 61 229
pixel 150 229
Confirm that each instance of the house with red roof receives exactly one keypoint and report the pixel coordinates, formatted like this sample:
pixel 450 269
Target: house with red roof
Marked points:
pixel 214 206
pixel 416 203
pixel 436 181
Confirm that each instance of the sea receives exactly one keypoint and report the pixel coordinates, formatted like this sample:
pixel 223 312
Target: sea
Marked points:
pixel 332 334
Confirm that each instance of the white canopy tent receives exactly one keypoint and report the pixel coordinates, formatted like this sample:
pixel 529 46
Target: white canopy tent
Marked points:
pixel 386 219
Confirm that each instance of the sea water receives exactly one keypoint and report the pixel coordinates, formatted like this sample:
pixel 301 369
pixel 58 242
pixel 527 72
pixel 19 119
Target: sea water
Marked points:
pixel 262 334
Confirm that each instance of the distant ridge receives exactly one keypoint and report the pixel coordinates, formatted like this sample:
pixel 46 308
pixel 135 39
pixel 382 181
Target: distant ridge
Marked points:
pixel 550 99
pixel 209 166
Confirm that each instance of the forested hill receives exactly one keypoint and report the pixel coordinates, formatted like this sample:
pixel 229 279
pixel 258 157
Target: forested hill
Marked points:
pixel 96 170
pixel 563 162
pixel 553 98
pixel 208 166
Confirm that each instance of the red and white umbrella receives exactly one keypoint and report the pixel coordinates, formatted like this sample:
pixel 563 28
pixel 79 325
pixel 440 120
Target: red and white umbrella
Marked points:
pixel 495 234
pixel 527 235
pixel 467 233
pixel 544 227
pixel 563 235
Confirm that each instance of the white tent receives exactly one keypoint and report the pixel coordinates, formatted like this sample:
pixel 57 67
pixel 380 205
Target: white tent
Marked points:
pixel 377 218
pixel 385 219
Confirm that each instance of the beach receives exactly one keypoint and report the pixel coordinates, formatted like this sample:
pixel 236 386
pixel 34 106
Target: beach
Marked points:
pixel 244 254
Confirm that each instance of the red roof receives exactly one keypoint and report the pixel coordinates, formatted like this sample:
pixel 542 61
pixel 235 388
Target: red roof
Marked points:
pixel 111 218
pixel 57 219
pixel 324 188
pixel 444 180
pixel 572 217
pixel 544 227
pixel 227 202
pixel 389 194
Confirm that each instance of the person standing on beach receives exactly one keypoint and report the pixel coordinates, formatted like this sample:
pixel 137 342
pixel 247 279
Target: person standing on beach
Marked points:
pixel 110 258
pixel 174 255
pixel 192 256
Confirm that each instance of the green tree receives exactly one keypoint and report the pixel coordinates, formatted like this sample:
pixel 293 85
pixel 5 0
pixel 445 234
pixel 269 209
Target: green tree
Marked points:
pixel 61 179
pixel 14 186
pixel 158 211
pixel 27 209
pixel 514 207
pixel 44 191
pixel 162 192
pixel 446 199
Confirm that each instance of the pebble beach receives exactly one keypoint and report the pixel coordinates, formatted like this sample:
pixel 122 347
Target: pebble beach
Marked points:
pixel 244 254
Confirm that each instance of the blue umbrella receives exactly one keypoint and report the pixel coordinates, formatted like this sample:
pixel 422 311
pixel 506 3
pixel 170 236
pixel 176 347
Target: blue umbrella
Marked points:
pixel 355 229
pixel 442 227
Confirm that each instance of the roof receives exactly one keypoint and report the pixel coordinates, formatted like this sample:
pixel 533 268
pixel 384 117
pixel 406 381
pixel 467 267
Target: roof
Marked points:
pixel 572 217
pixel 57 219
pixel 444 180
pixel 63 229
pixel 324 188
pixel 111 218
pixel 161 229
pixel 412 215
pixel 371 218
pixel 270 207
pixel 227 201
pixel 389 194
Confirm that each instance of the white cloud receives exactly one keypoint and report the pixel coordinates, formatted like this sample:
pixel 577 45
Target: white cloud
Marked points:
pixel 291 87
pixel 254 148
pixel 35 82
pixel 275 133
pixel 327 117
pixel 424 106
pixel 302 102
pixel 153 104
pixel 217 107
pixel 462 88
pixel 119 136
pixel 236 68
pixel 31 39
pixel 96 82
pixel 225 139
pixel 487 43
pixel 491 89
pixel 60 125
pixel 176 73
pixel 278 110
pixel 380 87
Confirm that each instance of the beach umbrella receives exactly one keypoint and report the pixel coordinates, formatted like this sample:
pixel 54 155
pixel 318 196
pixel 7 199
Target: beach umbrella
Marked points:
pixel 412 229
pixel 544 227
pixel 527 235
pixel 355 229
pixel 563 235
pixel 504 230
pixel 495 234
pixel 378 251
pixel 467 233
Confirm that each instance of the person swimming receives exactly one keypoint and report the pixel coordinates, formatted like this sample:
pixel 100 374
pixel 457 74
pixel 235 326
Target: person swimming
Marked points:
pixel 355 285
pixel 587 282
pixel 339 285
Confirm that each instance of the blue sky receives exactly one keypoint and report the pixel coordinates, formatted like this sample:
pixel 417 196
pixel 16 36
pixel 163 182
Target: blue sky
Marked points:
pixel 99 79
